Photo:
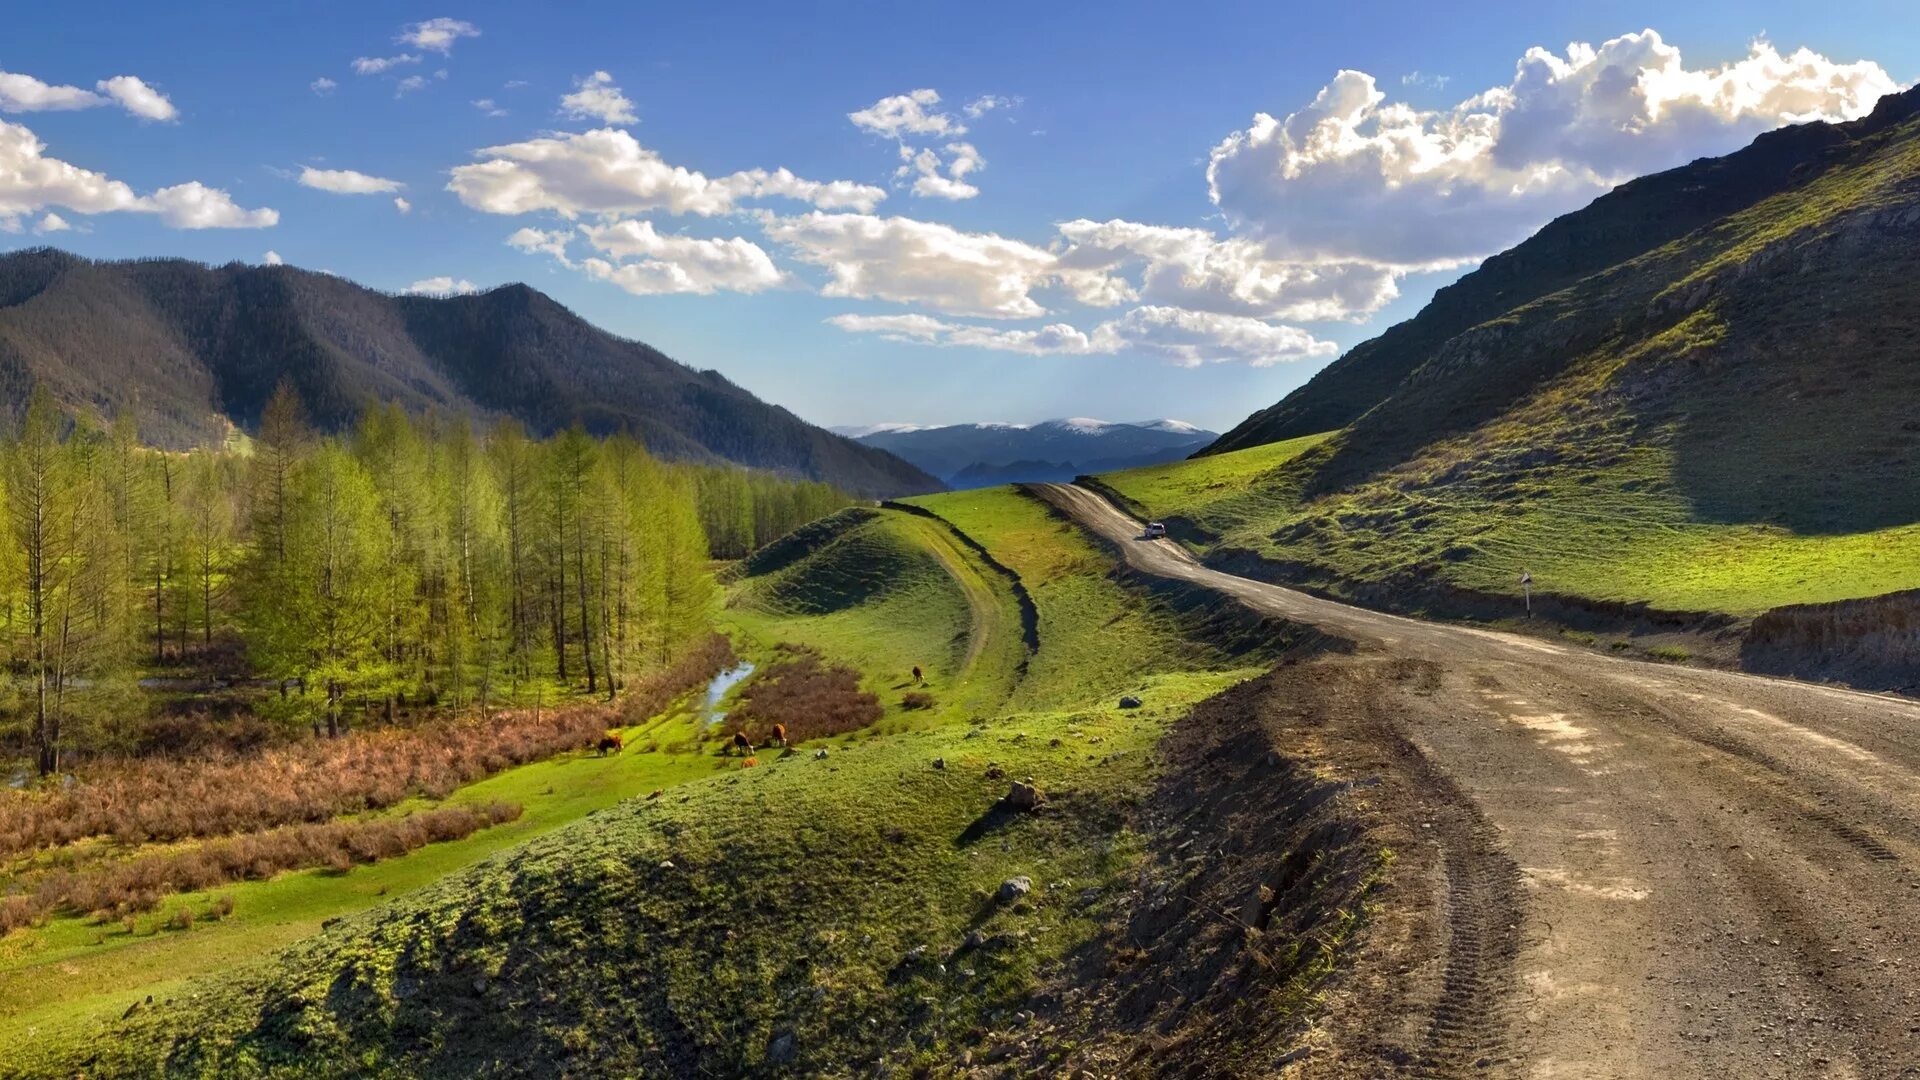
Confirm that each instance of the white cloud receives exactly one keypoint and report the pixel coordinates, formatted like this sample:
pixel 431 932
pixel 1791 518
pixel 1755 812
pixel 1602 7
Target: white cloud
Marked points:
pixel 346 182
pixel 402 205
pixel 1186 338
pixel 1191 268
pixel 380 65
pixel 51 223
pixel 489 107
pixel 194 205
pixel 827 195
pixel 986 103
pixel 24 93
pixel 135 96
pixel 553 243
pixel 606 171
pixel 441 286
pixel 595 97
pixel 408 85
pixel 924 167
pixel 31 182
pixel 907 114
pixel 919 262
pixel 323 86
pixel 272 258
pixel 437 35
pixel 1352 176
pixel 676 264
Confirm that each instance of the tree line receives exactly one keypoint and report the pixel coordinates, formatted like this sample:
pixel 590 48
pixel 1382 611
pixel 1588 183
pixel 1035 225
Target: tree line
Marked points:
pixel 408 562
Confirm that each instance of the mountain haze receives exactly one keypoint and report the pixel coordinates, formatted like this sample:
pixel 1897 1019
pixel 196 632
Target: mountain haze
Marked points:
pixel 195 349
pixel 980 455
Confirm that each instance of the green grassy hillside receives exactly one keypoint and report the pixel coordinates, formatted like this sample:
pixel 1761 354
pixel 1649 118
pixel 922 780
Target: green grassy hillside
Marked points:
pixel 1722 422
pixel 808 914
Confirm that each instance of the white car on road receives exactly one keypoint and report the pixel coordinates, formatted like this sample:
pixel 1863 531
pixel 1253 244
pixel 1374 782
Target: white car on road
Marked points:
pixel 1155 530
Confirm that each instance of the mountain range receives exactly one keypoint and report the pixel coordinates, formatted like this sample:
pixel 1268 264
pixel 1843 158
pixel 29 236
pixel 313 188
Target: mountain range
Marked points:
pixel 981 455
pixel 196 350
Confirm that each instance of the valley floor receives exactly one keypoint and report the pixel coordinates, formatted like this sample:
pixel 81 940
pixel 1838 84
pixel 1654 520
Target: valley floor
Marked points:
pixel 1648 871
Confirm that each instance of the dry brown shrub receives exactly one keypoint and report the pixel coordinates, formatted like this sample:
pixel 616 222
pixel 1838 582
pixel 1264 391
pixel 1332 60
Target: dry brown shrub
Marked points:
pixel 813 699
pixel 137 801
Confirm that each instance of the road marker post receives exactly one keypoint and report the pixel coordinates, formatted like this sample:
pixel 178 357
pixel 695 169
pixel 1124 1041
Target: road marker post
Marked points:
pixel 1526 590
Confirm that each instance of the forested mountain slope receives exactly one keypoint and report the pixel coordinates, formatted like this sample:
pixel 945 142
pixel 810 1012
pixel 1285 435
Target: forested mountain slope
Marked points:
pixel 1724 421
pixel 192 348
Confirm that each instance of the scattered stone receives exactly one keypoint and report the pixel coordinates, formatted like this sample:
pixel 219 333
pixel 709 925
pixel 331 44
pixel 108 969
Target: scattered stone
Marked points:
pixel 1023 796
pixel 1129 702
pixel 1014 888
pixel 916 954
pixel 666 864
pixel 975 939
pixel 995 772
pixel 781 1049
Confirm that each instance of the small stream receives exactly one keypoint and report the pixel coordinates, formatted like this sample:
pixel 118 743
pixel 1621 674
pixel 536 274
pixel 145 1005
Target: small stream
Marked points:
pixel 718 688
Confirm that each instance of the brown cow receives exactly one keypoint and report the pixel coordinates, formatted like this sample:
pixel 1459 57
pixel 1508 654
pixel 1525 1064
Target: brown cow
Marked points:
pixel 612 743
pixel 779 735
pixel 918 678
pixel 741 744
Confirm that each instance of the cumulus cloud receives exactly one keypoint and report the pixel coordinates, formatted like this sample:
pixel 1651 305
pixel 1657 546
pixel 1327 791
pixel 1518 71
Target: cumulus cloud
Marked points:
pixel 24 93
pixel 1192 268
pixel 595 97
pixel 380 65
pixel 489 107
pixel 323 86
pixel 1185 338
pixel 408 85
pixel 135 96
pixel 919 262
pixel 1353 176
pixel 606 171
pixel 553 243
pixel 402 205
pixel 441 286
pixel 31 182
pixel 51 223
pixel 272 258
pixel 347 182
pixel 923 167
pixel 655 263
pixel 912 113
pixel 437 35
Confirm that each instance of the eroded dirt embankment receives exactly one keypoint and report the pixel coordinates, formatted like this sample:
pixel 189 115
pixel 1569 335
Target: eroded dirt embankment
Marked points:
pixel 1315 896
pixel 1872 643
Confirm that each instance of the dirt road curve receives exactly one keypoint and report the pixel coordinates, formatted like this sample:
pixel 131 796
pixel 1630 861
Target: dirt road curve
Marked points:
pixel 1717 874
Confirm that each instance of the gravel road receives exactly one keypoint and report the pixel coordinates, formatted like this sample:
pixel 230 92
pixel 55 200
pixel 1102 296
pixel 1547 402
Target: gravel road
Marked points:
pixel 1668 871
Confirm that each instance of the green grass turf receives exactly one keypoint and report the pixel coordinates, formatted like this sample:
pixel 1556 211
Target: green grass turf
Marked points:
pixel 889 594
pixel 1097 638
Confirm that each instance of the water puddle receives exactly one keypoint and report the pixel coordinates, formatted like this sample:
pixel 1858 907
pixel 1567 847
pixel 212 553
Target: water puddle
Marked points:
pixel 718 688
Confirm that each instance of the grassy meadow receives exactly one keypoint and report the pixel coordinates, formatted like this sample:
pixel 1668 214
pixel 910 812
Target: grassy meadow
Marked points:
pixel 607 930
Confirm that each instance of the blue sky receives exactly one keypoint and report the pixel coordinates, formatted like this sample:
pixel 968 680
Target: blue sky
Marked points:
pixel 1064 254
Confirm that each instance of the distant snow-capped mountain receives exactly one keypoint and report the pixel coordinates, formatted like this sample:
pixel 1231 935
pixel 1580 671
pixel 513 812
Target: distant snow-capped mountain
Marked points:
pixel 977 455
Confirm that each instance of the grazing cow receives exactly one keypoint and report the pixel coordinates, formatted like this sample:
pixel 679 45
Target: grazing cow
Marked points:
pixel 919 679
pixel 779 734
pixel 612 743
pixel 741 744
